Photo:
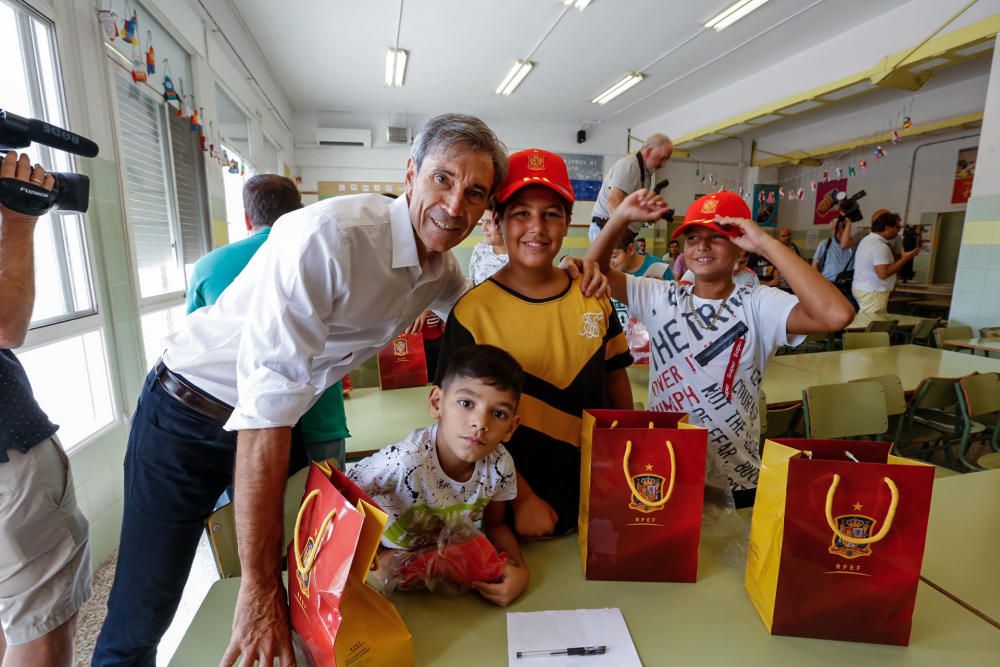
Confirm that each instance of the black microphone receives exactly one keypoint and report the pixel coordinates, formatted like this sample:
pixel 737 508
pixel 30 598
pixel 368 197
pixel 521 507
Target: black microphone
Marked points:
pixel 19 132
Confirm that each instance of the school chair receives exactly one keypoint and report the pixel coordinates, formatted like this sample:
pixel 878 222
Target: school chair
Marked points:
pixel 887 326
pixel 989 332
pixel 857 341
pixel 944 333
pixel 845 410
pixel 221 526
pixel 979 406
pixel 935 405
pixel 781 420
pixel 922 333
pixel 895 408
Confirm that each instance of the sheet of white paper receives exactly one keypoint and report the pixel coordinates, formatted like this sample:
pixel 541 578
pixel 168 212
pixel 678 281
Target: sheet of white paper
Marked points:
pixel 555 630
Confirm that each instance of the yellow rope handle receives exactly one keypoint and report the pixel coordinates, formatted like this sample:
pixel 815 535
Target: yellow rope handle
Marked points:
pixel 305 568
pixel 631 485
pixel 889 515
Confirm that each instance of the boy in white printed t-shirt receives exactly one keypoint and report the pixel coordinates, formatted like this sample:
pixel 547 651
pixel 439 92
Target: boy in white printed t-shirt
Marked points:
pixel 457 469
pixel 710 341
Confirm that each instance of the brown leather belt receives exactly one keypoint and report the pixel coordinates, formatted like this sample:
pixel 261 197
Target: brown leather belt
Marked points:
pixel 190 397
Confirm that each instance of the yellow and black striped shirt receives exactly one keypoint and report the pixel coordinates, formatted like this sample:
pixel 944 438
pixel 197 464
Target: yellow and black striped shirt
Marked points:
pixel 566 344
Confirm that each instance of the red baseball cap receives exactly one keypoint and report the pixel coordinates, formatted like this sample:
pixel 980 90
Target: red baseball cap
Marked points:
pixel 703 211
pixel 535 167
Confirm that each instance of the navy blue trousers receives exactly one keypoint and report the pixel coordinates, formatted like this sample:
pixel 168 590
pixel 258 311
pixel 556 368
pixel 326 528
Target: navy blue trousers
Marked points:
pixel 177 464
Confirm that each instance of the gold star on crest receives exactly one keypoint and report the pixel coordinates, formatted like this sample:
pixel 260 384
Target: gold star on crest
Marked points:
pixel 857 507
pixel 649 467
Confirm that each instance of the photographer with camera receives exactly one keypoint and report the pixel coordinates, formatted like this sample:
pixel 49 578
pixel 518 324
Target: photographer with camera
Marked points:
pixel 45 549
pixel 833 254
pixel 631 173
pixel 875 268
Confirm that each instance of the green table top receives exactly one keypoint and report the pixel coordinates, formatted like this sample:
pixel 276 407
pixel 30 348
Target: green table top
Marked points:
pixel 711 622
pixel 963 539
pixel 378 418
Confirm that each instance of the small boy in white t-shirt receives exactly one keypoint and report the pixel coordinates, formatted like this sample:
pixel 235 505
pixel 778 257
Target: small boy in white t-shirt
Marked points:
pixel 710 341
pixel 456 470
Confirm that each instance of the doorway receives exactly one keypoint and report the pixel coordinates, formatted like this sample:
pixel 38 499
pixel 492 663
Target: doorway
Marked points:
pixel 949 239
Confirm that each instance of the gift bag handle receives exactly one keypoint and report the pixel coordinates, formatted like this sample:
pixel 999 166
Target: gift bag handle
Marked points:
pixel 306 567
pixel 889 515
pixel 631 485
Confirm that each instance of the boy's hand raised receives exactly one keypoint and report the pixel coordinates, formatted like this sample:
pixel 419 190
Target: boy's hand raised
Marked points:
pixel 515 580
pixel 640 206
pixel 750 238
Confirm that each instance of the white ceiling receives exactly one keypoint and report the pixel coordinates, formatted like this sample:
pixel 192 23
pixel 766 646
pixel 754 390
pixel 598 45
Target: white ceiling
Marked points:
pixel 330 55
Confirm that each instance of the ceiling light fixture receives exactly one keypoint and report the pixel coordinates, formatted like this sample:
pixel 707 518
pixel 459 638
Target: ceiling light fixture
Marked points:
pixel 395 67
pixel 579 4
pixel 614 91
pixel 515 76
pixel 729 16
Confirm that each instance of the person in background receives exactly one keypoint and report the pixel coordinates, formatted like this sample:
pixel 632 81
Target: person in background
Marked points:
pixel 627 175
pixel 673 252
pixel 912 238
pixel 640 246
pixel 267 197
pixel 834 253
pixel 627 259
pixel 456 470
pixel 490 254
pixel 875 268
pixel 44 538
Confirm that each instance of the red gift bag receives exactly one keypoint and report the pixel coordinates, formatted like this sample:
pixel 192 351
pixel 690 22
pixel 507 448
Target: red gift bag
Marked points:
pixel 402 362
pixel 642 485
pixel 836 545
pixel 340 618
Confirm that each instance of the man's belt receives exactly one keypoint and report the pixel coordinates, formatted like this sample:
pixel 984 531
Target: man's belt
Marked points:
pixel 190 397
pixel 599 221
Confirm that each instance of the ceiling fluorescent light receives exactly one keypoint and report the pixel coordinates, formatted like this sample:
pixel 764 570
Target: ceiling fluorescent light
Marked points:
pixel 395 67
pixel 729 16
pixel 579 4
pixel 515 76
pixel 614 91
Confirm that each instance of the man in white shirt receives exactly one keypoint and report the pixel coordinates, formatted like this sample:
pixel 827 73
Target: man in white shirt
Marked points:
pixel 335 282
pixel 875 268
pixel 629 174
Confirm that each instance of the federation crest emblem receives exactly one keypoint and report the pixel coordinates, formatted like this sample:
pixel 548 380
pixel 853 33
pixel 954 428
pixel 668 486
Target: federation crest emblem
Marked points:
pixel 710 205
pixel 853 525
pixel 400 347
pixel 304 579
pixel 536 162
pixel 650 487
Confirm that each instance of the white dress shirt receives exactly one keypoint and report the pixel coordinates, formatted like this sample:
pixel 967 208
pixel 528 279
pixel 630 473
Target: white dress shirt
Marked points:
pixel 335 282
pixel 873 251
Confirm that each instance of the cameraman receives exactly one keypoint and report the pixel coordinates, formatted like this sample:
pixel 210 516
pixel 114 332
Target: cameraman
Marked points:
pixel 44 546
pixel 834 253
pixel 875 268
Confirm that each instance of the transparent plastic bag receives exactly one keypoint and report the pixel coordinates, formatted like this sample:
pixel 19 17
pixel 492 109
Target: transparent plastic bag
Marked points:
pixel 463 555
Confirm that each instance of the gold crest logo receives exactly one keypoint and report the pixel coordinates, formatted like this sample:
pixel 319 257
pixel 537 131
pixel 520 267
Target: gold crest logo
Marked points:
pixel 709 206
pixel 400 347
pixel 853 525
pixel 536 162
pixel 650 487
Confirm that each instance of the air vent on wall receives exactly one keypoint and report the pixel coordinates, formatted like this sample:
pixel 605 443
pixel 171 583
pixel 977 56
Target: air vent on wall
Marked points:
pixel 339 136
pixel 397 135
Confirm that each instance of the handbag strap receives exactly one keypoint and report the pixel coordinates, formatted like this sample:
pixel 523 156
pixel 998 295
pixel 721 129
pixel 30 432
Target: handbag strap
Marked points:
pixel 889 515
pixel 631 484
pixel 306 567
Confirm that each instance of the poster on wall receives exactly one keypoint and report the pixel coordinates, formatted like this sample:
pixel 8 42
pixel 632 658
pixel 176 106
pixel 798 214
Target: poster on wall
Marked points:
pixel 765 204
pixel 586 173
pixel 826 200
pixel 965 170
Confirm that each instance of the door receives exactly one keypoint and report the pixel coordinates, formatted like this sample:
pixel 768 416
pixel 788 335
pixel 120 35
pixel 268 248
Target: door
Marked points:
pixel 949 239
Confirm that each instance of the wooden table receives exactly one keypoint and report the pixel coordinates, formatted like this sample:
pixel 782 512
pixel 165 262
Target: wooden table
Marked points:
pixel 987 343
pixel 862 320
pixel 937 302
pixel 711 622
pixel 923 288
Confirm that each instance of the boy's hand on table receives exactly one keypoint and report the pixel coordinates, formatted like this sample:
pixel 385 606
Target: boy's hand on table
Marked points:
pixel 533 517
pixel 515 580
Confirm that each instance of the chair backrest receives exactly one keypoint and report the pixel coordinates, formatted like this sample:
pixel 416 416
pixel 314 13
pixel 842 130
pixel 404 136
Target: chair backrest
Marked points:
pixel 221 526
pixel 935 393
pixel 856 341
pixel 888 326
pixel 924 328
pixel 947 333
pixel 990 332
pixel 895 397
pixel 780 419
pixel 980 394
pixel 845 409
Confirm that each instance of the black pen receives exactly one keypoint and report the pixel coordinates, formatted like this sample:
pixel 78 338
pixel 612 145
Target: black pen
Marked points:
pixel 575 650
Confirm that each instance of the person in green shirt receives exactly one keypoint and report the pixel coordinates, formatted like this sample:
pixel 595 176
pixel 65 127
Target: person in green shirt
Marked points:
pixel 323 429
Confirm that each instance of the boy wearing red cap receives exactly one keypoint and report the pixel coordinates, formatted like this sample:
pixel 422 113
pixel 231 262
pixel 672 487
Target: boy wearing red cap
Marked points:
pixel 570 344
pixel 710 341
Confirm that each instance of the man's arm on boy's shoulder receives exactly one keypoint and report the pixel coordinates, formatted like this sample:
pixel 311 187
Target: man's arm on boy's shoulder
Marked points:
pixel 821 308
pixel 515 571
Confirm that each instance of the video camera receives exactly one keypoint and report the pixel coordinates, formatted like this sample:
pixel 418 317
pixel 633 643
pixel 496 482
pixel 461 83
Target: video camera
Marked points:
pixel 668 216
pixel 849 207
pixel 71 192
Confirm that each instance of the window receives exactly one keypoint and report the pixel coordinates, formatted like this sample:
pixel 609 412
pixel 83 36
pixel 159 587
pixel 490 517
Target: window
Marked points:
pixel 270 160
pixel 157 325
pixel 66 346
pixel 232 182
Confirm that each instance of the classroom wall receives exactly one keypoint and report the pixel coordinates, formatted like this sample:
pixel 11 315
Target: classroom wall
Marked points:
pixel 976 300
